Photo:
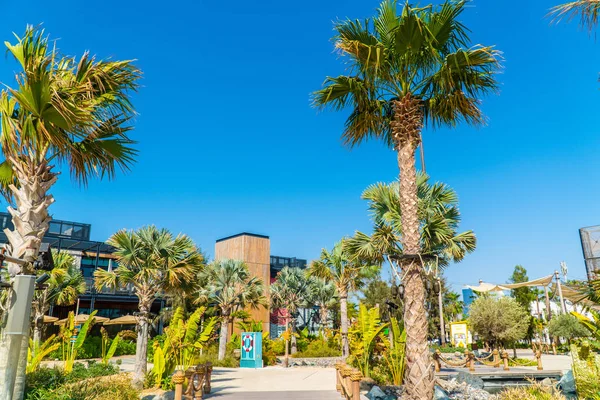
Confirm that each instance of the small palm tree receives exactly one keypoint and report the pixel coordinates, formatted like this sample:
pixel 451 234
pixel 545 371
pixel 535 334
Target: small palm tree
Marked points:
pixel 407 70
pixel 66 111
pixel 291 291
pixel 153 262
pixel 229 285
pixel 65 285
pixel 323 295
pixel 346 273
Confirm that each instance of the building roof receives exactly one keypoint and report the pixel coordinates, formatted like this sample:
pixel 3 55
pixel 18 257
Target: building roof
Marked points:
pixel 243 234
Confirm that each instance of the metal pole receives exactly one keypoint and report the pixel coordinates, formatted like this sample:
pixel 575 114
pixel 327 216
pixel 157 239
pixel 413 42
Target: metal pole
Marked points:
pixel 441 305
pixel 562 300
pixel 548 310
pixel 16 332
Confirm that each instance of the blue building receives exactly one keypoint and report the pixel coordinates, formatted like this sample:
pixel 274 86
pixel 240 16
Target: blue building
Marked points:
pixel 468 297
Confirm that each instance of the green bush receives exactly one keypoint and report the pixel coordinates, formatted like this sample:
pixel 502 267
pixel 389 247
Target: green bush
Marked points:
pixel 450 349
pixel 278 346
pixel 160 339
pixel 43 378
pixel 93 370
pixel 103 388
pixel 318 348
pixel 211 354
pixel 126 348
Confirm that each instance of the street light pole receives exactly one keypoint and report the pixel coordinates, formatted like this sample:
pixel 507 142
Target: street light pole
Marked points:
pixel 560 294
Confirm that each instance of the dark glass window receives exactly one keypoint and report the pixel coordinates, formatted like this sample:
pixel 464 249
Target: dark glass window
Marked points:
pixel 54 228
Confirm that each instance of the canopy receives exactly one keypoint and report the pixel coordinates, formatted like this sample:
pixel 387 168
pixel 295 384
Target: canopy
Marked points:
pixel 487 287
pixel 576 295
pixel 545 281
pixel 48 319
pixel 124 320
pixel 82 319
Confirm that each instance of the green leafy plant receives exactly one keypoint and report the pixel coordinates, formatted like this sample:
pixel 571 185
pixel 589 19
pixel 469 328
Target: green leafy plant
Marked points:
pixel 592 325
pixel 586 369
pixel 363 335
pixel 394 355
pixel 36 352
pixel 109 347
pixel 182 344
pixel 319 348
pixel 67 332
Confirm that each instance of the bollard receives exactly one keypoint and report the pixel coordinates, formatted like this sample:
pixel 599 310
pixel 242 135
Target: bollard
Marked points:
pixel 505 358
pixel 178 380
pixel 207 377
pixel 538 355
pixel 338 377
pixel 436 360
pixel 355 378
pixel 496 358
pixel 471 361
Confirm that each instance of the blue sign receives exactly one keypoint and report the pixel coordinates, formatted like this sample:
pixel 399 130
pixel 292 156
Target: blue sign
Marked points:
pixel 251 350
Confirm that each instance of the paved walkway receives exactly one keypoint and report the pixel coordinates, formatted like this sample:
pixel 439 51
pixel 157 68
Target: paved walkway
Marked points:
pixel 274 383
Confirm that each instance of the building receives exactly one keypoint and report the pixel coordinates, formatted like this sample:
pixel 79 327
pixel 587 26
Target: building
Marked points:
pixel 255 251
pixel 74 238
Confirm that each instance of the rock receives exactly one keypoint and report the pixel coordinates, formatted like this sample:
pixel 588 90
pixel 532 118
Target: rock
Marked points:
pixel 462 391
pixel 567 383
pixel 471 380
pixel 367 383
pixel 440 394
pixel 377 394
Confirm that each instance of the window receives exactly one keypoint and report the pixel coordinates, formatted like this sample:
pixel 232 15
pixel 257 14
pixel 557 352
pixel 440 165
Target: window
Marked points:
pixel 54 228
pixel 67 229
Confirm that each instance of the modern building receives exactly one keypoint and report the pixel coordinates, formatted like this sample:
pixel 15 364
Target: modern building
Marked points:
pixel 74 238
pixel 255 251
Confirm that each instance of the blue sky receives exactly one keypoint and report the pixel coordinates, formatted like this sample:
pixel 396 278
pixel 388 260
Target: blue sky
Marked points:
pixel 229 142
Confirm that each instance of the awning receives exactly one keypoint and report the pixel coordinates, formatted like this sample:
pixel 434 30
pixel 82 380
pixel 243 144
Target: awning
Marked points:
pixel 124 320
pixel 545 281
pixel 487 287
pixel 82 319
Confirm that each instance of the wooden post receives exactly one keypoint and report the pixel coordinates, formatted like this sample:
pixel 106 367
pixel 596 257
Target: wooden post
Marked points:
pixel 355 377
pixel 346 371
pixel 207 376
pixel 471 361
pixel 554 347
pixel 548 310
pixel 538 355
pixel 505 358
pixel 178 380
pixel 496 358
pixel 436 360
pixel 338 376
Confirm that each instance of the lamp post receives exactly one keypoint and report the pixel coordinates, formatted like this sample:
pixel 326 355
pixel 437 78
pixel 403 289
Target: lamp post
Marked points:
pixel 560 294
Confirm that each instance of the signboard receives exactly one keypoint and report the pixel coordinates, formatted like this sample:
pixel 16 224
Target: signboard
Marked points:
pixel 251 350
pixel 459 334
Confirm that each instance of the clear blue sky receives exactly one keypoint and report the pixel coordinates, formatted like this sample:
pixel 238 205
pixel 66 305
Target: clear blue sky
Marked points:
pixel 229 142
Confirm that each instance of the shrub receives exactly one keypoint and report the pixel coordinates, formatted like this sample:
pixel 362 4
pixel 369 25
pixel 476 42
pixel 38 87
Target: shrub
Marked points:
pixel 533 392
pixel 450 349
pixel 586 369
pixel 318 348
pixel 567 326
pixel 126 348
pixel 43 378
pixel 521 362
pixel 278 346
pixel 104 388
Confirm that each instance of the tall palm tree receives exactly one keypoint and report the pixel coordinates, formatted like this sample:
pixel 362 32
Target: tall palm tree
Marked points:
pixel 347 274
pixel 291 291
pixel 406 71
pixel 587 11
pixel 153 262
pixel 324 296
pixel 65 285
pixel 64 111
pixel 229 285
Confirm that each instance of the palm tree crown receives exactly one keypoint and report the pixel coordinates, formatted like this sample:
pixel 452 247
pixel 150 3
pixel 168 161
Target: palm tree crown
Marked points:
pixel 420 55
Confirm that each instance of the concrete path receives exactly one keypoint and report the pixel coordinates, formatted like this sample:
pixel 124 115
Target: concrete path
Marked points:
pixel 274 383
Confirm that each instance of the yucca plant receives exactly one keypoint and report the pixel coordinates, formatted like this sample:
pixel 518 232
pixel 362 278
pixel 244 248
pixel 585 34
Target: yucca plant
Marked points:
pixel 364 334
pixel 183 342
pixel 37 352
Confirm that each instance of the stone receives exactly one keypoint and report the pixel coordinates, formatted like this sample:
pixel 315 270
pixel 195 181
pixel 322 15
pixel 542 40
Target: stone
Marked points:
pixel 367 383
pixel 567 383
pixel 377 394
pixel 471 380
pixel 440 394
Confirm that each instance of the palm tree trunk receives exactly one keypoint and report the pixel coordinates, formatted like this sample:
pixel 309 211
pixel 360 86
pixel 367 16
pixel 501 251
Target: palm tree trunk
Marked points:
pixel 344 324
pixel 223 336
pixel 30 219
pixel 406 127
pixel 286 358
pixel 141 348
pixel 294 344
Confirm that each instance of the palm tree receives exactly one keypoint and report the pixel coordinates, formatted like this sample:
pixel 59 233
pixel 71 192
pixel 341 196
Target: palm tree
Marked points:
pixel 324 296
pixel 291 291
pixel 346 273
pixel 587 11
pixel 65 111
pixel 153 262
pixel 406 71
pixel 65 285
pixel 229 285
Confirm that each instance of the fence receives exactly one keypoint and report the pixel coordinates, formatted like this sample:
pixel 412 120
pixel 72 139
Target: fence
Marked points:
pixel 198 382
pixel 347 381
pixel 494 359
